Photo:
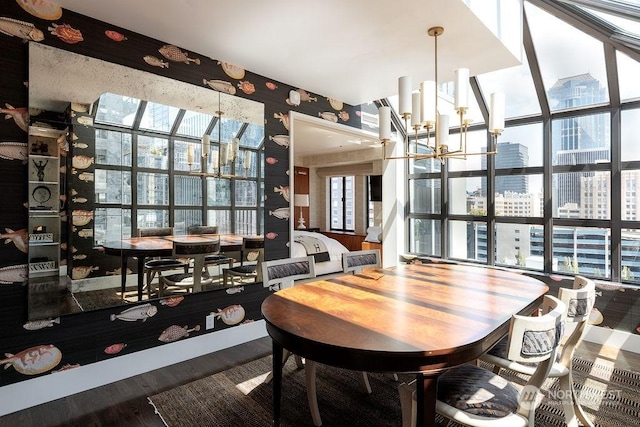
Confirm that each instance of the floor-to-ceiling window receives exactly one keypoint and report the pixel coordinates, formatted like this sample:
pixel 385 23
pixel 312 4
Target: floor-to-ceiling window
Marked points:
pixel 561 193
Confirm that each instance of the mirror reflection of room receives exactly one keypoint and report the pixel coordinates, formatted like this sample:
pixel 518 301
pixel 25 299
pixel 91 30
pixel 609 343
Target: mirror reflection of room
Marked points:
pixel 142 160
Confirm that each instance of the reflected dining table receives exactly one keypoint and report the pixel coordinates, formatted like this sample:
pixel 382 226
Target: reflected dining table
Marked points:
pixel 419 318
pixel 158 246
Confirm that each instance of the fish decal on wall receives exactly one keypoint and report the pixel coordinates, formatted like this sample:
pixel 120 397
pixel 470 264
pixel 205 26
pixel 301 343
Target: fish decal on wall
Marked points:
pixel 280 213
pixel 79 200
pixel 86 177
pixel 80 257
pixel 284 119
pixel 34 360
pixel 19 238
pixel 41 9
pixel 232 71
pixel 306 96
pixel 20 116
pixel 79 107
pixel 271 160
pixel 235 290
pixel 343 115
pixel 155 61
pixel 85 233
pixel 220 86
pixel 81 217
pixel 175 332
pixel 81 161
pixel 14 151
pixel 281 140
pixel 271 85
pixel 14 274
pixel 115 348
pixel 335 103
pixel 66 33
pixel 80 145
pixel 25 30
pixel 271 235
pixel 175 54
pixel 141 312
pixel 66 367
pixel 172 301
pixel 231 315
pixel 85 120
pixel 247 87
pixel 115 36
pixel 82 271
pixel 34 325
pixel 283 190
pixel 328 115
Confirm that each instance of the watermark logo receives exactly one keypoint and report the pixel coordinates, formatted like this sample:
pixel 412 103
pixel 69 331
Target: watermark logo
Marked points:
pixel 530 397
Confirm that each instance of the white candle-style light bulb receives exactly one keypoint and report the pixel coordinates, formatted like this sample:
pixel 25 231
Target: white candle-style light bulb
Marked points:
pixel 461 100
pixel 415 110
pixel 206 144
pixel 496 113
pixel 428 104
pixel 384 123
pixel 248 155
pixel 442 137
pixel 404 96
pixel 190 154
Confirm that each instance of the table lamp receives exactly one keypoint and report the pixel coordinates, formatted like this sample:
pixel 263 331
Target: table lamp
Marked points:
pixel 301 200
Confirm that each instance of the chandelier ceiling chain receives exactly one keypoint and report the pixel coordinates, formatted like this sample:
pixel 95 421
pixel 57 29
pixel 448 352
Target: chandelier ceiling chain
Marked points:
pixel 422 114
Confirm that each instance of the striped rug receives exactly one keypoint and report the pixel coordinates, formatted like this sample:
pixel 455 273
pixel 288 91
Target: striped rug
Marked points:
pixel 238 397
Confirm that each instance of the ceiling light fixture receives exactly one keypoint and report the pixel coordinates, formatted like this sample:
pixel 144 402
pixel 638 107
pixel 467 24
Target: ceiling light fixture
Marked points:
pixel 420 108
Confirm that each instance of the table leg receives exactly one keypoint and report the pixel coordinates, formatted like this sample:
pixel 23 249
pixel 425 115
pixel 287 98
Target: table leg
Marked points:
pixel 426 394
pixel 277 382
pixel 140 276
pixel 123 274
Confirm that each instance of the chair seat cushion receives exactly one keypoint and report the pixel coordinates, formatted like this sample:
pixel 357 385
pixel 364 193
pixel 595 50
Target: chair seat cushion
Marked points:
pixel 243 269
pixel 164 263
pixel 477 391
pixel 185 279
pixel 217 259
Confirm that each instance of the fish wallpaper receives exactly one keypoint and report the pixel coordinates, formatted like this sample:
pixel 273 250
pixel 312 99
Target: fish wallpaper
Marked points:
pixel 33 348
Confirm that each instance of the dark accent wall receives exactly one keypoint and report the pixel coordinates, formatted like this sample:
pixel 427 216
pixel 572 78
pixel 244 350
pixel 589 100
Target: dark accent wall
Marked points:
pixel 84 338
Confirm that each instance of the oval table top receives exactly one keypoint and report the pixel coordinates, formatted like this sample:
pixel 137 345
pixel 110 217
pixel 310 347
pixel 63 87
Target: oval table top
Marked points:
pixel 410 318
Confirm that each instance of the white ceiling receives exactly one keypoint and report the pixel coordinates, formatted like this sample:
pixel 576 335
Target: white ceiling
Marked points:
pixel 351 50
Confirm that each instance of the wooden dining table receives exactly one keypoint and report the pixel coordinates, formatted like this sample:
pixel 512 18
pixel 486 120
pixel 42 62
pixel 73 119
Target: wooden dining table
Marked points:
pixel 159 246
pixel 419 319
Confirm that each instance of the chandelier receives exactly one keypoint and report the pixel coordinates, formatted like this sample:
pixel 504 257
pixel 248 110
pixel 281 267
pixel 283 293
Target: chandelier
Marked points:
pixel 227 154
pixel 419 110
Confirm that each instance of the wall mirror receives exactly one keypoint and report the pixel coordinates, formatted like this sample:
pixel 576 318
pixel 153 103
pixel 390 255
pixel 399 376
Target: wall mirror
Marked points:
pixel 134 161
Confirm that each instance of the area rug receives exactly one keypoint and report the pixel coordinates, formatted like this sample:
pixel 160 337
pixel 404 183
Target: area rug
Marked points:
pixel 238 397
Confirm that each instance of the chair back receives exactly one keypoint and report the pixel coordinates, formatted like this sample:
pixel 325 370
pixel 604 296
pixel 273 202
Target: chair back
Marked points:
pixel 252 249
pixel 356 261
pixel 202 229
pixel 284 272
pixel 155 231
pixel 197 251
pixel 579 302
pixel 534 338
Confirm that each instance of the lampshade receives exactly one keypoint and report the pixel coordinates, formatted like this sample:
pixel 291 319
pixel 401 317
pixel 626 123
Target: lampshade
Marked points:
pixel 301 200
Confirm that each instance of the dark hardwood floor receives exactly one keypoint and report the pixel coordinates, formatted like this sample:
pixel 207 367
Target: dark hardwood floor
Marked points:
pixel 124 403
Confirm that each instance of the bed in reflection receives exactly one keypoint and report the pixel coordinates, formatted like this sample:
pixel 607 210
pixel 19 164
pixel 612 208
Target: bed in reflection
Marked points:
pixel 327 251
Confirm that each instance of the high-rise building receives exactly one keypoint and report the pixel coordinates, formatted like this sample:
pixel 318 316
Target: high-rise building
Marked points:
pixel 510 155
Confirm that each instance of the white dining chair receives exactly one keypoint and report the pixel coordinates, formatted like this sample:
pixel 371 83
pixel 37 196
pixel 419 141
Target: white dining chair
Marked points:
pixel 579 301
pixel 356 261
pixel 474 396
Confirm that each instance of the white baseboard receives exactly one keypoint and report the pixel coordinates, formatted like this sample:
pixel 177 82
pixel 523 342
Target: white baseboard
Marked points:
pixel 28 393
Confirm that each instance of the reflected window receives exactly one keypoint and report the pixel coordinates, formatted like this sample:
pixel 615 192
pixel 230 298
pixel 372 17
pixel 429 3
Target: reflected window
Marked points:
pixel 153 189
pixel 158 117
pixel 117 110
pixel 113 148
pixel 582 250
pixel 253 136
pixel 342 203
pixel 245 193
pixel 218 192
pixel 111 225
pixel 112 186
pixel 185 218
pixel 221 218
pixel 194 124
pixel 427 236
pixel 153 152
pixel 425 196
pixel 153 218
pixel 187 191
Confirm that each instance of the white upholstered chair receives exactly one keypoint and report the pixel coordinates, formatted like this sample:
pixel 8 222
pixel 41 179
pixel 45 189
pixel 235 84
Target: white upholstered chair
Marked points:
pixel 356 261
pixel 474 396
pixel 579 301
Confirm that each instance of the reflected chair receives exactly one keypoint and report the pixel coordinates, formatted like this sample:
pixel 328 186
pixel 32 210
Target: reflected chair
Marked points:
pixel 474 396
pixel 579 301
pixel 195 281
pixel 214 259
pixel 356 261
pixel 158 265
pixel 251 256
